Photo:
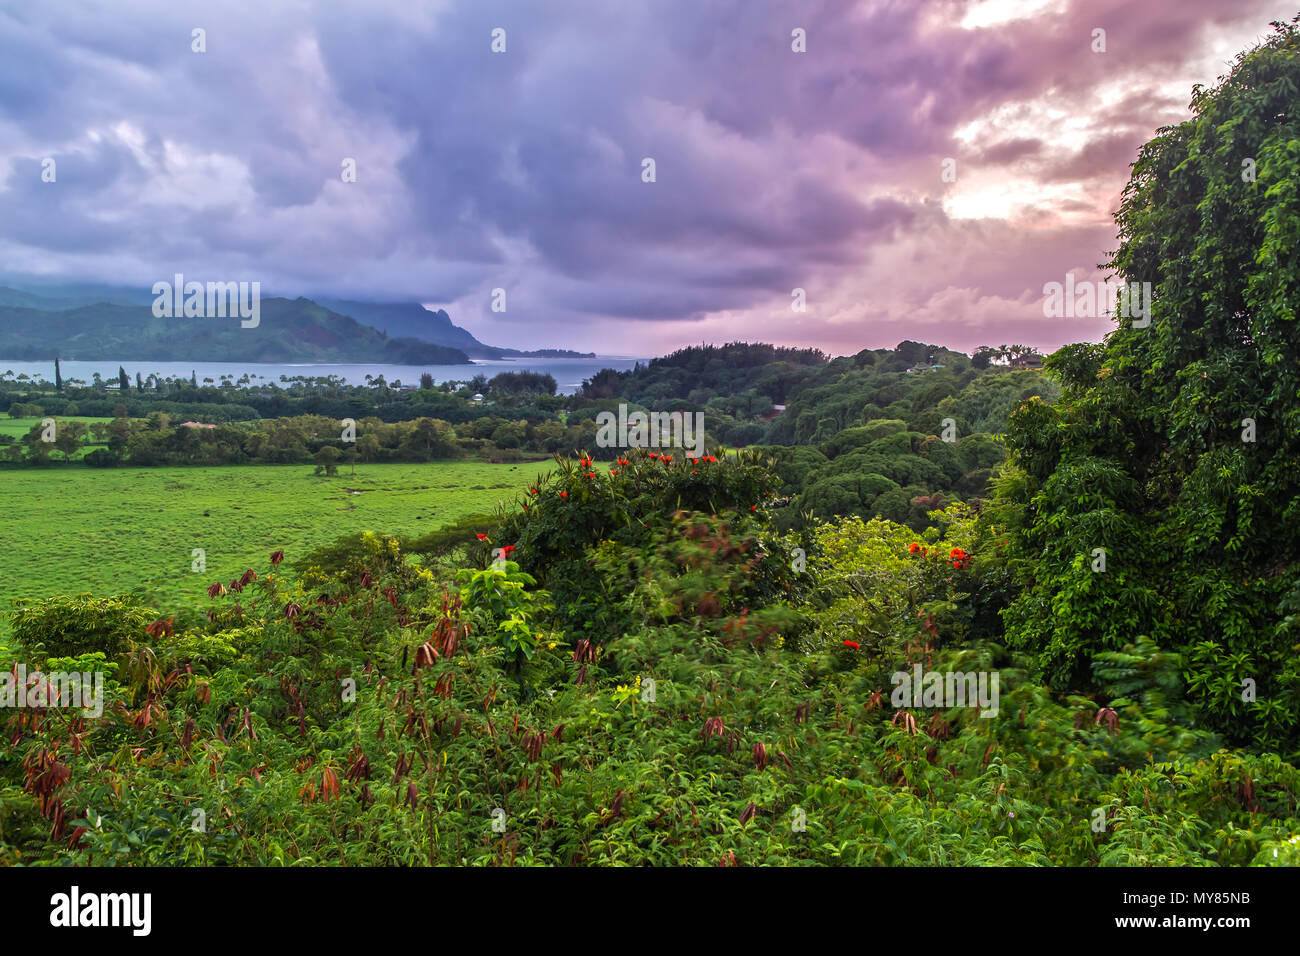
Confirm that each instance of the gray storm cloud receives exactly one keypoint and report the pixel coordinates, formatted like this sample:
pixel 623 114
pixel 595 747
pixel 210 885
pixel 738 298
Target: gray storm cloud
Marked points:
pixel 523 170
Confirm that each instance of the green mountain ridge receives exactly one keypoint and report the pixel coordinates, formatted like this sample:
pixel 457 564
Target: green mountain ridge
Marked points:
pixel 408 323
pixel 289 330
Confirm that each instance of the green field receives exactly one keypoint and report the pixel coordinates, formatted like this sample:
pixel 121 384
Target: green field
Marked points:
pixel 18 427
pixel 113 529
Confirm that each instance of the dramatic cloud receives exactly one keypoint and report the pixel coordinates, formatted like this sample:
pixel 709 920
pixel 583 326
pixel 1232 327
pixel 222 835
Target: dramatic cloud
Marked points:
pixel 477 170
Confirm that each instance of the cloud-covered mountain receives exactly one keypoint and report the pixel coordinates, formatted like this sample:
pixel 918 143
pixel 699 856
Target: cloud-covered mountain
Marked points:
pixel 287 330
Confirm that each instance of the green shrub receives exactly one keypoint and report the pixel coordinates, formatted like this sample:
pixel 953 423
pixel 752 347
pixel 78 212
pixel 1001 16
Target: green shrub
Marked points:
pixel 67 626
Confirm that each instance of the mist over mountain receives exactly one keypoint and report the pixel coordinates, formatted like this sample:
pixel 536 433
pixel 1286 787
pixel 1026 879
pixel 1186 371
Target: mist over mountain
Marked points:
pixel 288 330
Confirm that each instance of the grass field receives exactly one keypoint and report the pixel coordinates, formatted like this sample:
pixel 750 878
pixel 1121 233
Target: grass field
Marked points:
pixel 18 427
pixel 111 530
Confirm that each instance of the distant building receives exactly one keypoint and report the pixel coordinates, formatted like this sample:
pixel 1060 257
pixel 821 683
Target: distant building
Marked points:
pixel 478 398
pixel 778 408
pixel 195 425
pixel 1027 361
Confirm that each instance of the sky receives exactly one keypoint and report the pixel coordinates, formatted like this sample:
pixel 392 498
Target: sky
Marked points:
pixel 918 169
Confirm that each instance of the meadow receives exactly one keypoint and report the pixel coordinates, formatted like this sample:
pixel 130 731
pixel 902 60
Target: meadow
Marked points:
pixel 16 428
pixel 111 530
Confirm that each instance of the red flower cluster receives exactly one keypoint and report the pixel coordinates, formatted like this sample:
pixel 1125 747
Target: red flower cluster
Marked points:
pixel 564 494
pixel 481 536
pixel 585 463
pixel 960 559
pixel 505 552
pixel 624 461
pixel 914 547
pixel 852 645
pixel 708 458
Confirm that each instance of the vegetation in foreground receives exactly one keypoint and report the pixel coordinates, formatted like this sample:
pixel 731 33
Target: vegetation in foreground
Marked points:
pixel 733 707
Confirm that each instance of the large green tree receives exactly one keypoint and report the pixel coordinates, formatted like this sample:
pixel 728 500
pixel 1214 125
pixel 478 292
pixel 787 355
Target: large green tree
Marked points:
pixel 1175 447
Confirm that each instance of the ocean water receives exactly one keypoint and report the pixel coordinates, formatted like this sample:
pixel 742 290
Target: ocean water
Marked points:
pixel 568 373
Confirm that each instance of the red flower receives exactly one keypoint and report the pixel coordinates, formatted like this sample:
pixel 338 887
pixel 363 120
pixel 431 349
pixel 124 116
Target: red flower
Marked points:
pixel 653 456
pixel 532 491
pixel 481 536
pixel 753 507
pixel 564 494
pixel 623 461
pixel 507 549
pixel 667 457
pixel 913 547
pixel 852 645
